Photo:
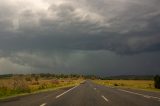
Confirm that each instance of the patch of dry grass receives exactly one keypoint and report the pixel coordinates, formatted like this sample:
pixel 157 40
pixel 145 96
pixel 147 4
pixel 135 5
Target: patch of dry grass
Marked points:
pixel 136 84
pixel 26 84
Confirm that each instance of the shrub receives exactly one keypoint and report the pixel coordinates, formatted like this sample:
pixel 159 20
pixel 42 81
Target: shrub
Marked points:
pixel 20 85
pixel 35 83
pixel 36 78
pixel 55 82
pixel 115 84
pixel 28 78
pixel 157 81
pixel 43 86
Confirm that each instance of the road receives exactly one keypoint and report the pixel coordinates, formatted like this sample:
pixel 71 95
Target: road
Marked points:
pixel 87 94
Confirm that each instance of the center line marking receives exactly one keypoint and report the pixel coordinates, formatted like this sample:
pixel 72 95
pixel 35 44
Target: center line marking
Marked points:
pixel 65 92
pixel 105 98
pixel 43 104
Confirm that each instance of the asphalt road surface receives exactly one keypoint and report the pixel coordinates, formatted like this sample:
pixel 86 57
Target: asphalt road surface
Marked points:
pixel 87 94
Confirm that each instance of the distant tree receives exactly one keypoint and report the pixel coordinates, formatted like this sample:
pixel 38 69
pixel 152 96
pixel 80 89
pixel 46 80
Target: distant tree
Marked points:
pixel 157 81
pixel 36 77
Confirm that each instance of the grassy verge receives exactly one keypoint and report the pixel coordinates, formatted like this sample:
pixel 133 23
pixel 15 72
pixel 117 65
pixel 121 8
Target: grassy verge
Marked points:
pixel 20 86
pixel 147 85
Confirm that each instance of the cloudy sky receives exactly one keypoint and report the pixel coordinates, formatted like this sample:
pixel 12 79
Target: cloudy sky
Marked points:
pixel 102 37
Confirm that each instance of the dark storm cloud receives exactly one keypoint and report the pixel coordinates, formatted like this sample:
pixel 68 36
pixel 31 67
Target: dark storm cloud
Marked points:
pixel 45 35
pixel 83 62
pixel 121 26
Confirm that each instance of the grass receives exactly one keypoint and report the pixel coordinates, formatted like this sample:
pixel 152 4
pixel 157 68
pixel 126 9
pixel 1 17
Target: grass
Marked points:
pixel 17 85
pixel 134 84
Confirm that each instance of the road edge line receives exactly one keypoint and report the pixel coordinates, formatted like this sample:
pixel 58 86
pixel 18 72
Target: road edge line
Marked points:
pixel 146 96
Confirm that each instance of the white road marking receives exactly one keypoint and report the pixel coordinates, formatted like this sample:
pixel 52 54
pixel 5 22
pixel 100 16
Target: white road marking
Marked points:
pixel 146 96
pixel 65 92
pixel 105 98
pixel 43 104
pixel 155 97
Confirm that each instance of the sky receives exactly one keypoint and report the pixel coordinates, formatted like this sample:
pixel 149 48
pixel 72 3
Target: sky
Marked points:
pixel 100 37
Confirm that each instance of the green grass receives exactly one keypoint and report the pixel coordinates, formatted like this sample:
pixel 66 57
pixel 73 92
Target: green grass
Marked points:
pixel 133 84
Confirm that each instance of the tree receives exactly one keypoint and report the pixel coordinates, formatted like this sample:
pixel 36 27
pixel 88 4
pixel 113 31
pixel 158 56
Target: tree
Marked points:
pixel 36 78
pixel 157 81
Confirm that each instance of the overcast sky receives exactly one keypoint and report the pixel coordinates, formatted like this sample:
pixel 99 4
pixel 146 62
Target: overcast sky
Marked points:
pixel 102 37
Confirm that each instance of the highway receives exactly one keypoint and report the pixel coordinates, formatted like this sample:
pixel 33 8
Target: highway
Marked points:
pixel 87 94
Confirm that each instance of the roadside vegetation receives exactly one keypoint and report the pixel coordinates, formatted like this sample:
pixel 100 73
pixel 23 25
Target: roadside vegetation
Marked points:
pixel 149 84
pixel 12 85
pixel 157 81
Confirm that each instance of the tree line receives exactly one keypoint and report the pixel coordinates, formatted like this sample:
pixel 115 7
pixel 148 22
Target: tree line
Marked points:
pixel 49 75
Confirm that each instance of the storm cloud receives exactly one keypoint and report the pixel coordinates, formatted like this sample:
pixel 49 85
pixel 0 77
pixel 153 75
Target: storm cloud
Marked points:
pixel 87 36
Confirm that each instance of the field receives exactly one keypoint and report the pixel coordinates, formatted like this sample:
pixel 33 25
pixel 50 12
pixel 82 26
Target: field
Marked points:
pixel 18 85
pixel 135 84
